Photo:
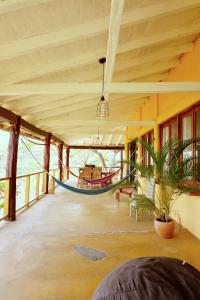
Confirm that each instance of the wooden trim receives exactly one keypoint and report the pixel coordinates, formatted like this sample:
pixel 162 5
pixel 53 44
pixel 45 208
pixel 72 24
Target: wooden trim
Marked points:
pixel 4 178
pixel 7 114
pixel 12 167
pixel 47 162
pixel 10 116
pixel 121 165
pixel 189 111
pixel 97 147
pixel 56 139
pixel 33 128
pixel 149 138
pixel 60 160
pixel 67 161
pixel 30 174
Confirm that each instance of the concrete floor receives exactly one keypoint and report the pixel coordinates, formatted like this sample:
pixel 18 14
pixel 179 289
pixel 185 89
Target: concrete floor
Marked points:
pixel 37 261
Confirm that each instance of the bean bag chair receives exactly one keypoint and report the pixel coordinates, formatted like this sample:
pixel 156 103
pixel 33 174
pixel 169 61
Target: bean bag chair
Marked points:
pixel 151 278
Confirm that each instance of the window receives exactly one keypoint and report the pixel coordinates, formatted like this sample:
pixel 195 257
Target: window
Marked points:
pixel 185 126
pixel 169 131
pixel 146 158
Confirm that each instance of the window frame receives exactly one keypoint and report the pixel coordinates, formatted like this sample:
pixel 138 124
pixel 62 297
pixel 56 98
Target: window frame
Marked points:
pixel 191 111
pixel 149 137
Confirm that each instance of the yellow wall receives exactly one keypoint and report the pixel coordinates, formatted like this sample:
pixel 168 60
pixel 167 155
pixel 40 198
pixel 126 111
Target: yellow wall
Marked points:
pixel 161 107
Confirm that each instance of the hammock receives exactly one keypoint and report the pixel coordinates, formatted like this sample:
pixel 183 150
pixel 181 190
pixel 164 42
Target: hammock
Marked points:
pixel 77 190
pixel 89 192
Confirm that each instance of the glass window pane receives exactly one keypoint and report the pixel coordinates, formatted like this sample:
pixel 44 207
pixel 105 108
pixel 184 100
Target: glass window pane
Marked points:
pixel 197 153
pixel 187 134
pixel 165 134
pixel 174 131
pixel 187 127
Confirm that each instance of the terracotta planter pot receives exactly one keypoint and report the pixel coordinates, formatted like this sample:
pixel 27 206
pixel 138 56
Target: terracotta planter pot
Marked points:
pixel 164 230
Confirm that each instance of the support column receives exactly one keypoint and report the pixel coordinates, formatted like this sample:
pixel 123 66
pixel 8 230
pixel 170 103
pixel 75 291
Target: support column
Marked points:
pixel 121 173
pixel 156 142
pixel 60 160
pixel 47 162
pixel 12 167
pixel 67 160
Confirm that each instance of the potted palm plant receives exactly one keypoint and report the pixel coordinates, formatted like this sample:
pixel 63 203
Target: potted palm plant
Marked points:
pixel 173 167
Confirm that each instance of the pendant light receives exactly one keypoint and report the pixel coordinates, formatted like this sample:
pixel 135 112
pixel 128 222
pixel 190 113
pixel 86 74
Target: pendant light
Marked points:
pixel 102 106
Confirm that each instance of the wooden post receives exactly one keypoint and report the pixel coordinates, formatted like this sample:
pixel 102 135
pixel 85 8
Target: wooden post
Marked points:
pixel 60 160
pixel 121 173
pixel 12 167
pixel 47 162
pixel 67 160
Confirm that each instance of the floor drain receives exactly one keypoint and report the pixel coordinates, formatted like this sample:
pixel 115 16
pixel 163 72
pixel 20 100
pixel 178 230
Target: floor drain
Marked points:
pixel 90 253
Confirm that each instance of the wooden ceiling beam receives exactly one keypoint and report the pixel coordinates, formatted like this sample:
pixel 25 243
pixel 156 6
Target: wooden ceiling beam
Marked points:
pixel 68 133
pixel 113 37
pixel 159 38
pixel 97 122
pixel 91 57
pixel 96 147
pixel 61 109
pixel 13 5
pixel 132 74
pixel 91 28
pixel 52 116
pixel 95 88
pixel 123 62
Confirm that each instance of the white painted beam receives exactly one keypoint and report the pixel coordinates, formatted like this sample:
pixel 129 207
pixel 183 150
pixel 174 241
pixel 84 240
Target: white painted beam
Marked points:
pixel 113 37
pixel 71 34
pixel 98 122
pixel 95 88
pixel 89 58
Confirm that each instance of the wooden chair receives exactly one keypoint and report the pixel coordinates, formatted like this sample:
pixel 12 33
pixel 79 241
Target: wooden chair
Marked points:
pixel 149 194
pixel 84 173
pixel 96 174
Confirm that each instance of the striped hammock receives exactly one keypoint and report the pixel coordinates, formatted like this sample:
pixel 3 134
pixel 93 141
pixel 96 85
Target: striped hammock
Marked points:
pixel 90 192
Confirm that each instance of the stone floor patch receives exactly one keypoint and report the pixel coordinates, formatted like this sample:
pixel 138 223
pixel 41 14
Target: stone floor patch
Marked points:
pixel 90 253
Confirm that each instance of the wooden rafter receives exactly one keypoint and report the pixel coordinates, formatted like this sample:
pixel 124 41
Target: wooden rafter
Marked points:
pixel 95 88
pixel 91 28
pixel 13 5
pixel 87 58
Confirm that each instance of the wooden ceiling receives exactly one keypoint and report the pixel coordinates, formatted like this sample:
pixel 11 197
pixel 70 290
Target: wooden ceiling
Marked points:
pixel 60 41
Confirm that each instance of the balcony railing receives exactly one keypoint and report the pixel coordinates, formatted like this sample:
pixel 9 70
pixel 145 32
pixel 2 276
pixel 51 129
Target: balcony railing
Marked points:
pixel 29 189
pixel 4 196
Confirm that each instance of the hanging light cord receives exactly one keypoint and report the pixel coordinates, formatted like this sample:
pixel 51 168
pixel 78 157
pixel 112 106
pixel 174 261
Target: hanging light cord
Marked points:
pixel 103 82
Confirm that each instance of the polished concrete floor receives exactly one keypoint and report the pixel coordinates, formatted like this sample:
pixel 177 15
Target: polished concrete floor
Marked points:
pixel 37 261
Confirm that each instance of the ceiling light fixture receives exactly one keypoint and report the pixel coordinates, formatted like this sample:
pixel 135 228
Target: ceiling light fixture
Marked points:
pixel 102 106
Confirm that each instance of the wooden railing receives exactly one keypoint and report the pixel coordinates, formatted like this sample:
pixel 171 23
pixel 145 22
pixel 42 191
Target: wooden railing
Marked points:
pixel 4 197
pixel 29 189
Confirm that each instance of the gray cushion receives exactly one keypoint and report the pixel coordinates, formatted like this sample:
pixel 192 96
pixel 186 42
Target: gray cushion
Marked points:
pixel 150 278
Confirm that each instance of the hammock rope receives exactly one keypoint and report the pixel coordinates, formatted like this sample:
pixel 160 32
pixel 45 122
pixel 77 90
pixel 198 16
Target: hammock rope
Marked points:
pixel 78 190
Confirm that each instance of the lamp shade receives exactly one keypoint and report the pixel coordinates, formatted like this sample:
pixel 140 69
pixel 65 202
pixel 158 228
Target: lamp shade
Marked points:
pixel 102 108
